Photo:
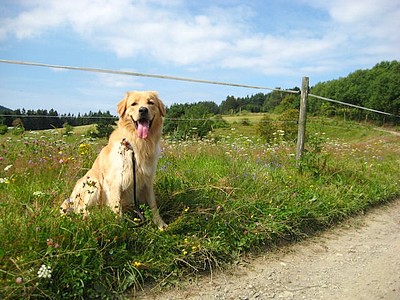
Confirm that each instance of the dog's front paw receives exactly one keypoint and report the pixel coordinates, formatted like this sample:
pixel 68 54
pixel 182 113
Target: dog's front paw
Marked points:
pixel 163 227
pixel 160 224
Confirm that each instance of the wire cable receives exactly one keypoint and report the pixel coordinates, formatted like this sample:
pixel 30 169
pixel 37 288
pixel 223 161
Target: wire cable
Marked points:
pixel 109 71
pixel 353 105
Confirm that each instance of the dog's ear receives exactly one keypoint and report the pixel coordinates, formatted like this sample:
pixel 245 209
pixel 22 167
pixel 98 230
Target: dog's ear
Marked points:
pixel 160 105
pixel 121 106
pixel 162 108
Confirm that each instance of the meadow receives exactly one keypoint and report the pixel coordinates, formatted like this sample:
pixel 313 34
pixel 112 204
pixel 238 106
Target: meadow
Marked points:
pixel 222 197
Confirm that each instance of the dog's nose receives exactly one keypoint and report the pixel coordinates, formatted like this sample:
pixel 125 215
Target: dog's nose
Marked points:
pixel 143 110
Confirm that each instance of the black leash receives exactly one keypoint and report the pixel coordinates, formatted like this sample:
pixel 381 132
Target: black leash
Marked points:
pixel 136 210
pixel 135 200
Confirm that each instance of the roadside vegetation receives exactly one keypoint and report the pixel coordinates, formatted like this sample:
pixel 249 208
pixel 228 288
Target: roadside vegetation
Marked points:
pixel 236 189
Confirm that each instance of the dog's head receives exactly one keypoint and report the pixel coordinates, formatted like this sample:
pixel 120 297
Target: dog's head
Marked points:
pixel 144 109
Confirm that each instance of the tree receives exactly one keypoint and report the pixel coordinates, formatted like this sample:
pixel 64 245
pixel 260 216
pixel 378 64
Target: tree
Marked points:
pixel 377 88
pixel 290 101
pixel 194 120
pixel 104 128
pixel 229 106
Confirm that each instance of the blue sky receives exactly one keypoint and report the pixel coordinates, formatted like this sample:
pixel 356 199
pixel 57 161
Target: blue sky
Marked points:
pixel 262 43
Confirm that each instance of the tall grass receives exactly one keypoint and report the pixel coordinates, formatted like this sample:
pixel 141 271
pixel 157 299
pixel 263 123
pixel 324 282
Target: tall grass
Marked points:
pixel 221 197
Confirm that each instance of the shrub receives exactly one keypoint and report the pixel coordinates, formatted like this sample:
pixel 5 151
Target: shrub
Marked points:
pixel 18 130
pixel 3 129
pixel 104 129
pixel 68 129
pixel 245 122
pixel 289 123
pixel 267 127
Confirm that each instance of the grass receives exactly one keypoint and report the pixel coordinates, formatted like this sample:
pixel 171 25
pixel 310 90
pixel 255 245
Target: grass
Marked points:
pixel 252 118
pixel 222 197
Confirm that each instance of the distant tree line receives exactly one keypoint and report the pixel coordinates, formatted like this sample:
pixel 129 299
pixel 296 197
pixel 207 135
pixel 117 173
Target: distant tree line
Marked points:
pixel 46 119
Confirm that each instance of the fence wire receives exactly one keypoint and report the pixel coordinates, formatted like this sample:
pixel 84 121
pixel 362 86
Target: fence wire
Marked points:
pixel 353 105
pixel 109 71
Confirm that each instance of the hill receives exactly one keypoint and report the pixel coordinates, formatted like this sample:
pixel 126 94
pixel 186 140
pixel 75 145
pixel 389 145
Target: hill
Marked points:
pixel 377 88
pixel 3 108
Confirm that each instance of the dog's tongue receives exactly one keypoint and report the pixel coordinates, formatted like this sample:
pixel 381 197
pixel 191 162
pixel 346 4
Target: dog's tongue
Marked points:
pixel 143 129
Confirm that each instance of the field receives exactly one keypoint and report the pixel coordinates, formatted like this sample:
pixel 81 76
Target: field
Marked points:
pixel 222 196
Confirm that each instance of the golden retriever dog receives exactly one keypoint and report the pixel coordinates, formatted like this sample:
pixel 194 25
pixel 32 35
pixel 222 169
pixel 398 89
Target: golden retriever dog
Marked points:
pixel 110 180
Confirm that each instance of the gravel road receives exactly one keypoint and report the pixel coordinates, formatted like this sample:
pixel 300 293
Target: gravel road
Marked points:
pixel 359 259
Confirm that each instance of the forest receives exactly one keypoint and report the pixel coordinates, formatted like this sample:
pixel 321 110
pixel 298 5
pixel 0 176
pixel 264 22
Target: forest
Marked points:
pixel 376 88
pixel 46 119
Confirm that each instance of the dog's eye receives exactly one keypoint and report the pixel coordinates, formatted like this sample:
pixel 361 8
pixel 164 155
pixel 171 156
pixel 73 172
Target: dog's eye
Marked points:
pixel 133 104
pixel 150 102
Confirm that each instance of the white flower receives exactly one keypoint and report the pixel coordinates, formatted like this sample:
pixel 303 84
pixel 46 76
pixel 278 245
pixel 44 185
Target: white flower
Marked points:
pixel 4 180
pixel 39 194
pixel 44 272
pixel 7 168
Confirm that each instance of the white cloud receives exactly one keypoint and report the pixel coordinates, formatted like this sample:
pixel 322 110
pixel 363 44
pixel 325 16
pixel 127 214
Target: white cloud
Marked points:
pixel 117 81
pixel 363 19
pixel 169 32
pixel 345 11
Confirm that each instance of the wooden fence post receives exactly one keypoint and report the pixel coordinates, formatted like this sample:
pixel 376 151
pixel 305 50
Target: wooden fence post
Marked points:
pixel 302 119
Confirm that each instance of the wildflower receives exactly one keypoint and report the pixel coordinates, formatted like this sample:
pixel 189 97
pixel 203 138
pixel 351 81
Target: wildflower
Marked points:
pixel 7 168
pixel 38 194
pixel 4 180
pixel 44 272
pixel 137 264
pixel 184 252
pixel 84 149
pixel 18 280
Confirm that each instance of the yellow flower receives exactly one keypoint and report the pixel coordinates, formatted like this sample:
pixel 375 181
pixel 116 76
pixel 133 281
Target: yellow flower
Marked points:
pixel 137 264
pixel 84 148
pixel 186 209
pixel 184 252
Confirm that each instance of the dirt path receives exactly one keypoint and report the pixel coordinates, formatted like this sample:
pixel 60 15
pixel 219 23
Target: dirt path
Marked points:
pixel 389 131
pixel 357 260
